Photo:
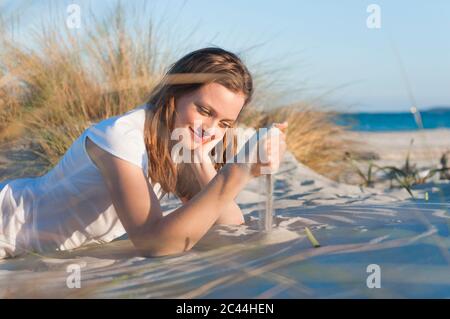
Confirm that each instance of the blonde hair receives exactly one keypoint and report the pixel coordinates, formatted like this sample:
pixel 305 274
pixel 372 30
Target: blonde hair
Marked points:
pixel 200 67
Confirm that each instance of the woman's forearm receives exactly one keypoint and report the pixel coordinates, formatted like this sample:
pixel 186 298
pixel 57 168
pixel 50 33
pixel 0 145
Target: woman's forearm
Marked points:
pixel 231 214
pixel 180 230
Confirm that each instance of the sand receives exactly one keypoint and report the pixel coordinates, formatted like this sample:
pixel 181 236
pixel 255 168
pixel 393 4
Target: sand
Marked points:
pixel 392 147
pixel 355 226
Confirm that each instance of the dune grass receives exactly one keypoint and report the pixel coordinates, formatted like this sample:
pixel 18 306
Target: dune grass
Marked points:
pixel 55 87
pixel 312 137
pixel 405 176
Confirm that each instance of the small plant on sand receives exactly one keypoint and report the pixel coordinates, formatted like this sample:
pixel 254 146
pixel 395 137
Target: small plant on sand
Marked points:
pixel 406 176
pixel 445 169
pixel 410 175
pixel 367 177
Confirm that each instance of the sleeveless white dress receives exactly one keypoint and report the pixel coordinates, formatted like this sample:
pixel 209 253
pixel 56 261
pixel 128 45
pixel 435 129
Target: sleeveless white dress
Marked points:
pixel 70 206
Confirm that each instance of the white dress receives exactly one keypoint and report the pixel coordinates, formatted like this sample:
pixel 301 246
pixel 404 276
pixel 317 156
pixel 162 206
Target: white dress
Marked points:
pixel 70 205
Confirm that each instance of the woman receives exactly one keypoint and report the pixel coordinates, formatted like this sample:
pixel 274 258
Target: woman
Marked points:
pixel 107 183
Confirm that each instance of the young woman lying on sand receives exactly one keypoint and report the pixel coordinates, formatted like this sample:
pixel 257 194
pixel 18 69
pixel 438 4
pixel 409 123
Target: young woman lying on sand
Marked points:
pixel 106 184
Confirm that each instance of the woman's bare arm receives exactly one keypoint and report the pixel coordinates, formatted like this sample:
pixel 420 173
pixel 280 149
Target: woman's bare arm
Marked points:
pixel 140 213
pixel 204 173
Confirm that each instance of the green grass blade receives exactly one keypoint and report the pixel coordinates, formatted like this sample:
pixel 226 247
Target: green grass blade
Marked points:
pixel 311 238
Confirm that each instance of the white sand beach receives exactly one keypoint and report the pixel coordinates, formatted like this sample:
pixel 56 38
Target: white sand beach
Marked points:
pixel 361 205
pixel 392 147
pixel 356 227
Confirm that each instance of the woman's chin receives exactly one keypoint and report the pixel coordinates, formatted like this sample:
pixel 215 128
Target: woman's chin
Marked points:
pixel 195 146
pixel 191 145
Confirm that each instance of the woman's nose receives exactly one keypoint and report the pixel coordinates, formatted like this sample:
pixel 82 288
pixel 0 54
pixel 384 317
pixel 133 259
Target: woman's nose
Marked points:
pixel 209 131
pixel 209 127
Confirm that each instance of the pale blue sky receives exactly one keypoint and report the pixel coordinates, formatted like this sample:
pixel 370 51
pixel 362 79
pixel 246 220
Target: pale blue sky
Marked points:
pixel 325 46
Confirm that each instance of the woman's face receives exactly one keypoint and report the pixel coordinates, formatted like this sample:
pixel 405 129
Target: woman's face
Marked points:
pixel 207 113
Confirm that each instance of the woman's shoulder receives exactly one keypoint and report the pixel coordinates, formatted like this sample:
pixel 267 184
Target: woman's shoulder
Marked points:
pixel 122 135
pixel 134 118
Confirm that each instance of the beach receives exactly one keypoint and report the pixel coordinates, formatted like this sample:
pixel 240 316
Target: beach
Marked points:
pixel 356 227
pixel 425 148
pixel 392 147
pixel 361 202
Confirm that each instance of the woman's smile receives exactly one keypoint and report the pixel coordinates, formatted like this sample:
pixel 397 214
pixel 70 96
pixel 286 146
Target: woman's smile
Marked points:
pixel 200 138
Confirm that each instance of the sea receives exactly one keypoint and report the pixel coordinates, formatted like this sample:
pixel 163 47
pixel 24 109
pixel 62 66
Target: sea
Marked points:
pixel 390 121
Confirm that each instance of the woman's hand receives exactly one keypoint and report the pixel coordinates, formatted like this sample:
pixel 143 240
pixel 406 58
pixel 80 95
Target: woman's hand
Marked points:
pixel 274 149
pixel 201 153
pixel 251 162
pixel 273 143
pixel 202 165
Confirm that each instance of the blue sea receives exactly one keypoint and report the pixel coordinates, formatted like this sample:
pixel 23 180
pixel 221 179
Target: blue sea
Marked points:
pixel 404 121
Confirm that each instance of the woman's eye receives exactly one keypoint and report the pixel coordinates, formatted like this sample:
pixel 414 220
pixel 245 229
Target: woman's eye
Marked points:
pixel 203 110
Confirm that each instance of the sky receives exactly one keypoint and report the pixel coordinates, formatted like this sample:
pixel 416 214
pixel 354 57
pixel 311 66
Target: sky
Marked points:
pixel 324 48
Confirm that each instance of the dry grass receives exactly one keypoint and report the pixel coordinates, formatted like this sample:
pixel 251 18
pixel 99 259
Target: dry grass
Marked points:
pixel 52 92
pixel 55 88
pixel 312 136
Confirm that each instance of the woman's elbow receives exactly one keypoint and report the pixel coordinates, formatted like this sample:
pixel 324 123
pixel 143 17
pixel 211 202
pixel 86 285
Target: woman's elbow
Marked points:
pixel 157 241
pixel 156 247
pixel 159 252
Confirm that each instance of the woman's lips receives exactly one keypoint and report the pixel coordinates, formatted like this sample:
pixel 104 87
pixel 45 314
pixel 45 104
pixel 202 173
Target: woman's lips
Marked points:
pixel 197 137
